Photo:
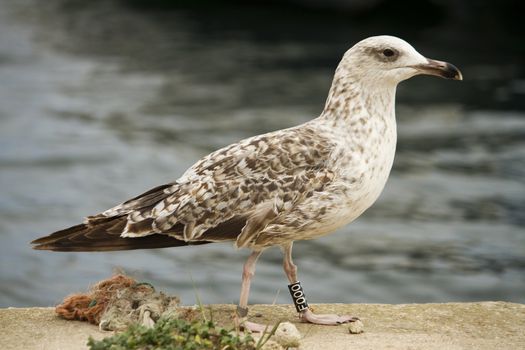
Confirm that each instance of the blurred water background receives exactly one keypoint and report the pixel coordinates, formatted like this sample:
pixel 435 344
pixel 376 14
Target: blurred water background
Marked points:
pixel 101 100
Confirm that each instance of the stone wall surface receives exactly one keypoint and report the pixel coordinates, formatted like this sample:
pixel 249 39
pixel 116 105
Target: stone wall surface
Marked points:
pixel 480 325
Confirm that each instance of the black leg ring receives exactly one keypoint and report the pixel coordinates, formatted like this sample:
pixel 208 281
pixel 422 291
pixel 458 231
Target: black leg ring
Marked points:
pixel 299 299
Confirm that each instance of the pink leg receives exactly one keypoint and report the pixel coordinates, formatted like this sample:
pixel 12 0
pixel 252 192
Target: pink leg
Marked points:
pixel 307 315
pixel 242 310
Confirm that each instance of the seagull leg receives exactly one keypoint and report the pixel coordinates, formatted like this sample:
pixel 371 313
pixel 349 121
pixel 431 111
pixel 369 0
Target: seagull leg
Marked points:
pixel 305 314
pixel 242 309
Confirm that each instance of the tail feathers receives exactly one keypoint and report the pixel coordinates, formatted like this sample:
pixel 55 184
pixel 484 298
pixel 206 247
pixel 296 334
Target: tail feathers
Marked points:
pixel 104 235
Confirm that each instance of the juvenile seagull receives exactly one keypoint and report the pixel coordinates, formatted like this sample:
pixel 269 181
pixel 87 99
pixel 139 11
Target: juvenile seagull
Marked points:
pixel 273 189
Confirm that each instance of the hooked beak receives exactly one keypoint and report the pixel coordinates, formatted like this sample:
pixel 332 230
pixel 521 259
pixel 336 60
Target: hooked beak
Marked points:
pixel 440 69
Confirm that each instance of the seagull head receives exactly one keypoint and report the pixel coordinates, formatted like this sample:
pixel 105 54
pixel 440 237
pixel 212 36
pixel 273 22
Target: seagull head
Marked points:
pixel 387 59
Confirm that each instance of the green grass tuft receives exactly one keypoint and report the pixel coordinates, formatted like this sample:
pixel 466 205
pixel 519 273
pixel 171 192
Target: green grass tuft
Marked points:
pixel 175 334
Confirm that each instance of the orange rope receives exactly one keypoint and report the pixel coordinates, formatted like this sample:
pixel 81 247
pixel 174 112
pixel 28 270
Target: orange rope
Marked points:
pixel 90 306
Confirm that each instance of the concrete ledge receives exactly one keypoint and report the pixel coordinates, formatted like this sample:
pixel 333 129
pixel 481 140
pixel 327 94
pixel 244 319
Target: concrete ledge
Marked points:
pixel 485 325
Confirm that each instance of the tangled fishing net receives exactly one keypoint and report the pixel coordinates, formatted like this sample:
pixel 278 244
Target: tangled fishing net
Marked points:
pixel 117 302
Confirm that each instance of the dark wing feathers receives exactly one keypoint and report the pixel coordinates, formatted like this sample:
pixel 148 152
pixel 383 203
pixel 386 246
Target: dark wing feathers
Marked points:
pixel 226 231
pixel 144 201
pixel 103 237
pixel 142 227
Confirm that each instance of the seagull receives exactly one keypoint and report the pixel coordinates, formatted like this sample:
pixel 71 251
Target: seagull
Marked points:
pixel 269 190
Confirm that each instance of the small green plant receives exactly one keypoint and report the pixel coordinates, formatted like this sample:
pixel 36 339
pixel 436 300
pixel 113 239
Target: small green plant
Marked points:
pixel 176 334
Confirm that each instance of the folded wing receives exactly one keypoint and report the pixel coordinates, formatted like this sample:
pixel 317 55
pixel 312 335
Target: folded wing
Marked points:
pixel 229 195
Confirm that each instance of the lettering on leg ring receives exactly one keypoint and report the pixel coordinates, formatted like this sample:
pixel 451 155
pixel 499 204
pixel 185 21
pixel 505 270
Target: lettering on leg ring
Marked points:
pixel 299 299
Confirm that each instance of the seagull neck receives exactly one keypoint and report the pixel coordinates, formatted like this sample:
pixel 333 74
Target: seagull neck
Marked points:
pixel 351 99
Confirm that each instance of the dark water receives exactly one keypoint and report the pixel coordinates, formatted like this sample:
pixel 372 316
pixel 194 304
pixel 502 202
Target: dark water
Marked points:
pixel 100 101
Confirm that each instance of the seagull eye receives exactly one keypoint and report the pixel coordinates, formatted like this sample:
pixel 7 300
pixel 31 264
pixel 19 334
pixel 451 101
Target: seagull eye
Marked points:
pixel 388 52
